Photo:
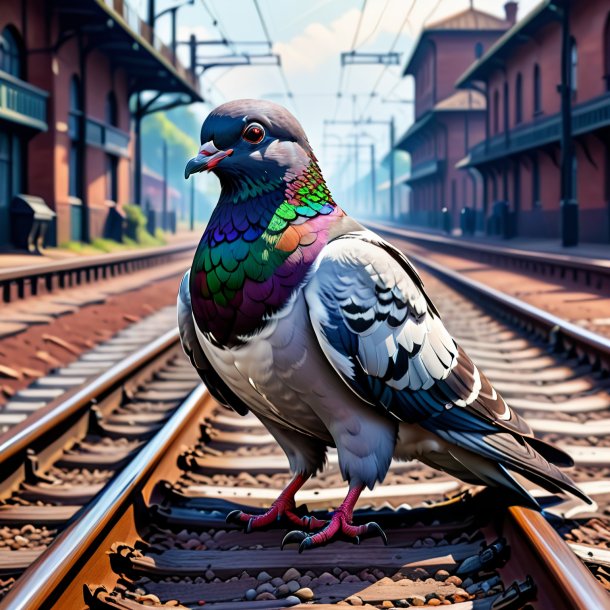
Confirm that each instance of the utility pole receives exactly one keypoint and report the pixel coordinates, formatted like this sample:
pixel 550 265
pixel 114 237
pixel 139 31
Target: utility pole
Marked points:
pixel 164 222
pixel 373 181
pixel 192 215
pixel 392 168
pixel 392 129
pixel 569 203
pixel 356 176
pixel 151 14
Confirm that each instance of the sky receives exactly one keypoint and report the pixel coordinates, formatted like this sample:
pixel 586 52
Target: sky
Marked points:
pixel 309 37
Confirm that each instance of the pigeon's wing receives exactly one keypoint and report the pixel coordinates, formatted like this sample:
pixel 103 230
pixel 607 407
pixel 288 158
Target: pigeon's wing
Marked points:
pixel 385 338
pixel 190 343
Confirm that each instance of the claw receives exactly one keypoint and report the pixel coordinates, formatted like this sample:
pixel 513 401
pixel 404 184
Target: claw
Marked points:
pixel 234 517
pixel 375 530
pixel 306 544
pixel 356 540
pixel 294 536
pixel 249 525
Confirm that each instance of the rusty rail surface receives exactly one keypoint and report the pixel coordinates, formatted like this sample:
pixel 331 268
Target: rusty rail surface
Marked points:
pixel 594 273
pixel 15 442
pixel 26 281
pixel 560 333
pixel 44 580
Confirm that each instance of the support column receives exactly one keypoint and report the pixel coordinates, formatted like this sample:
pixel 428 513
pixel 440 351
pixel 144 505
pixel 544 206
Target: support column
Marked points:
pixel 569 204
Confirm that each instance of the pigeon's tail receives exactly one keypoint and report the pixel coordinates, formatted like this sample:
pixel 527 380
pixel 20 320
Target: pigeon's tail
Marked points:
pixel 490 457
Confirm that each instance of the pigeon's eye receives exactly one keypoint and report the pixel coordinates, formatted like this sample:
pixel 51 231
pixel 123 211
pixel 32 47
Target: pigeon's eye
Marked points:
pixel 254 133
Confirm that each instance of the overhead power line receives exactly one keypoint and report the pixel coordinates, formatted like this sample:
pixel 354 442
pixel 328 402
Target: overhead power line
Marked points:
pixel 289 93
pixel 392 48
pixel 342 68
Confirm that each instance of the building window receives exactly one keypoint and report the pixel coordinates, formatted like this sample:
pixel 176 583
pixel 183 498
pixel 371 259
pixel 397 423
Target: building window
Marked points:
pixel 112 114
pixel 10 53
pixel 74 130
pixel 573 65
pixel 518 99
pixel 537 90
pixel 536 203
pixel 496 111
pixel 112 178
pixel 478 49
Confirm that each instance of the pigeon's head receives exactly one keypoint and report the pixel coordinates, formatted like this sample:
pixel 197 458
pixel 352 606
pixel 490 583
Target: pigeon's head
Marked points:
pixel 248 139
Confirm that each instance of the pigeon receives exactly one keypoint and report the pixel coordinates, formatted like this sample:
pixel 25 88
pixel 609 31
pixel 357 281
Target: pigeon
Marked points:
pixel 295 312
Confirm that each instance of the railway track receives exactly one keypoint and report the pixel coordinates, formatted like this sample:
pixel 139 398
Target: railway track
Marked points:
pixel 587 272
pixel 153 533
pixel 30 281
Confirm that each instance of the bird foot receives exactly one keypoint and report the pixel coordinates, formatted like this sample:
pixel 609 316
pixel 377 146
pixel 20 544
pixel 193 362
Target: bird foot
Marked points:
pixel 338 528
pixel 279 512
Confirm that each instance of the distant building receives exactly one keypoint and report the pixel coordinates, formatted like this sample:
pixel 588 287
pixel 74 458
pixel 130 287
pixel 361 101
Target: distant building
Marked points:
pixel 447 122
pixel 67 71
pixel 519 160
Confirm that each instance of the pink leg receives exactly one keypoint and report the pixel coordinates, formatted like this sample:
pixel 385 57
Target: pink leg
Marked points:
pixel 340 526
pixel 283 507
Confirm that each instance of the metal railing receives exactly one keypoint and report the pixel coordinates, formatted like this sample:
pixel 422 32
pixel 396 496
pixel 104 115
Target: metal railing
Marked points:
pixel 22 103
pixel 586 117
pixel 131 18
pixel 24 282
pixel 111 139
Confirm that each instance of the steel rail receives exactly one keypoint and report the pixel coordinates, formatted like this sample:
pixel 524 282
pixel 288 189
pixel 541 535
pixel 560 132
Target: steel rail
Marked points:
pixel 22 436
pixel 579 587
pixel 556 330
pixel 576 582
pixel 54 273
pixel 43 578
pixel 575 264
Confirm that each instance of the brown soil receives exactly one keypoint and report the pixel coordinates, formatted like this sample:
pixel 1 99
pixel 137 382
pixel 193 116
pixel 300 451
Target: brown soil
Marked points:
pixel 41 348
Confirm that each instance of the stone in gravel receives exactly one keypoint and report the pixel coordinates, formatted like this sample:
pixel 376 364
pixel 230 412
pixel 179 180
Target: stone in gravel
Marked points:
pixel 386 604
pixel 282 591
pixel 402 603
pixel 304 580
pixel 351 578
pixel 209 575
pixel 263 577
pixel 337 571
pixel 266 587
pixel 250 594
pixel 420 573
pixel 277 581
pixel 460 596
pixel 291 574
pixel 293 600
pixel 295 585
pixel 305 594
pixel 416 600
pixel 442 575
pixel 310 574
pixel 454 580
pixel 434 602
pixel 327 579
pixel 429 542
pixel 354 600
pixel 265 596
pixel 468 582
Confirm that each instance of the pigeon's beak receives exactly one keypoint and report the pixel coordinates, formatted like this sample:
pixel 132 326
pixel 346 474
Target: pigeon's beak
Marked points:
pixel 208 158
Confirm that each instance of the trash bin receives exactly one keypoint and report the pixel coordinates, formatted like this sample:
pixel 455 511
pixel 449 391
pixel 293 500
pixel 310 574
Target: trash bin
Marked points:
pixel 30 219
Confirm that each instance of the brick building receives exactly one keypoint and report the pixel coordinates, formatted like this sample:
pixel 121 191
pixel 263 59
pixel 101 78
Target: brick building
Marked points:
pixel 519 160
pixel 68 69
pixel 447 122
